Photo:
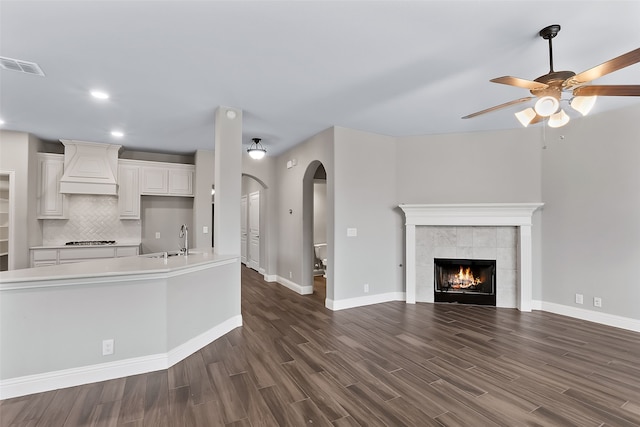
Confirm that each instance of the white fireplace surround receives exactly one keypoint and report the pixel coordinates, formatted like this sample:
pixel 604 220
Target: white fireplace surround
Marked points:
pixel 474 214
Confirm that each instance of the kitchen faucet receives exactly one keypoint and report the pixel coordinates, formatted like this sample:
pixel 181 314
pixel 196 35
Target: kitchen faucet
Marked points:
pixel 184 233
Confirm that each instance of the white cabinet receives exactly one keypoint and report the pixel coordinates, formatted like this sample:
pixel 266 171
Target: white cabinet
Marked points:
pixel 128 190
pixel 167 179
pixel 155 180
pixel 51 203
pixel 44 257
pixel 181 181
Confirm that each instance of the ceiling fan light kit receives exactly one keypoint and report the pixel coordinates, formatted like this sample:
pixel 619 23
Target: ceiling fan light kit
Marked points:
pixel 526 116
pixel 546 106
pixel 558 119
pixel 583 104
pixel 550 87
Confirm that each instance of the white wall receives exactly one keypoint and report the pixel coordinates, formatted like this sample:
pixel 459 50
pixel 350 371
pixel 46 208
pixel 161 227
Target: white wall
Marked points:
pixel 17 153
pixel 202 215
pixel 289 185
pixel 365 199
pixel 478 167
pixel 164 215
pixel 591 217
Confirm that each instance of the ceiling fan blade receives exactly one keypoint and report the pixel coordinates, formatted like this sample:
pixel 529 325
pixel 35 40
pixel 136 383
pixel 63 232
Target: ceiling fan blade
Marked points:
pixel 608 90
pixel 515 81
pixel 498 107
pixel 605 68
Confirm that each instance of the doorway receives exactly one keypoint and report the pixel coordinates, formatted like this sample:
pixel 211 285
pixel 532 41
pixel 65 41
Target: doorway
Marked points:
pixel 253 223
pixel 7 205
pixel 253 257
pixel 315 242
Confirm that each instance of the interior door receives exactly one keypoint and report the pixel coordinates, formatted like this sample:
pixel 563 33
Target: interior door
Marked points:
pixel 254 231
pixel 243 230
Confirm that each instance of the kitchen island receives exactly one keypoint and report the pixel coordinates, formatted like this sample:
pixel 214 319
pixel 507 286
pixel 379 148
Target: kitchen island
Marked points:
pixel 56 321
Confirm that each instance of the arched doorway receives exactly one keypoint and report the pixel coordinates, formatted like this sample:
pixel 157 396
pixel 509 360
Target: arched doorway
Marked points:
pixel 314 224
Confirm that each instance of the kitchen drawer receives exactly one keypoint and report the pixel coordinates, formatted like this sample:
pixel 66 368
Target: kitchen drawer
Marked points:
pixel 127 251
pixel 44 263
pixel 46 255
pixel 86 253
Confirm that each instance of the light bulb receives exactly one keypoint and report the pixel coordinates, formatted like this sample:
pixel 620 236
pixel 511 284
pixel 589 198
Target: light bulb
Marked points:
pixel 559 119
pixel 98 94
pixel 546 106
pixel 525 117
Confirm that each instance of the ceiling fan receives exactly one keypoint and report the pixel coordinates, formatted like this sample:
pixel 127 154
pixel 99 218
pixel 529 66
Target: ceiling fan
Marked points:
pixel 550 87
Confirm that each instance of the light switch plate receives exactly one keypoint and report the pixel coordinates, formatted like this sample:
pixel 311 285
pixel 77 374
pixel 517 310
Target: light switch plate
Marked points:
pixel 352 232
pixel 157 234
pixel 205 229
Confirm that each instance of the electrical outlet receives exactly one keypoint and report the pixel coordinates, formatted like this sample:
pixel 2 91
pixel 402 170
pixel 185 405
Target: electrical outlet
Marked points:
pixel 366 288
pixel 579 299
pixel 157 234
pixel 290 275
pixel 205 229
pixel 597 302
pixel 107 347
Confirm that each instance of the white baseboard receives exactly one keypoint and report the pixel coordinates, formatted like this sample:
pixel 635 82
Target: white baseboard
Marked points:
pixel 302 290
pixel 589 315
pixel 367 300
pixel 186 349
pixel 29 384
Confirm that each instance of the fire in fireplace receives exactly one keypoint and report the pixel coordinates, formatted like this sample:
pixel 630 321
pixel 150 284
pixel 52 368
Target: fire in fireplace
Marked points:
pixel 466 281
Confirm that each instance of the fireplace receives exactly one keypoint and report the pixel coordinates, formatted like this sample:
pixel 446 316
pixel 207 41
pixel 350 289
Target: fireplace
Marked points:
pixel 466 281
pixel 518 215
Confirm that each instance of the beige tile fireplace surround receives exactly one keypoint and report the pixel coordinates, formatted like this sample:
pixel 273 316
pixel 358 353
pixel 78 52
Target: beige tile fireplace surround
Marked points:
pixel 497 231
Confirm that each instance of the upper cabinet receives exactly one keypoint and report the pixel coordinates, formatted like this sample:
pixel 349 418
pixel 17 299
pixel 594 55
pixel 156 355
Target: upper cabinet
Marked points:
pixel 167 179
pixel 128 190
pixel 51 203
pixel 139 178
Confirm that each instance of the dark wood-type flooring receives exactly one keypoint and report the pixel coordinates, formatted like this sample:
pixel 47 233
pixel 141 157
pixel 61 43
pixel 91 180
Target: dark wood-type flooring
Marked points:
pixel 296 363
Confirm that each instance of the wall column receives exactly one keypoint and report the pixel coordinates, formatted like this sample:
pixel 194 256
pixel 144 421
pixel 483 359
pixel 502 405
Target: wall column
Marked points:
pixel 410 264
pixel 228 180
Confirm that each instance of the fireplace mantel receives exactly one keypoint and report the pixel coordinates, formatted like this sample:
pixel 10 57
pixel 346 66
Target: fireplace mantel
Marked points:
pixel 473 214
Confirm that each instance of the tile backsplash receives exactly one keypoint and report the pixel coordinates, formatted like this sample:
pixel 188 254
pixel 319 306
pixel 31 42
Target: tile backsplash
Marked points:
pixel 91 217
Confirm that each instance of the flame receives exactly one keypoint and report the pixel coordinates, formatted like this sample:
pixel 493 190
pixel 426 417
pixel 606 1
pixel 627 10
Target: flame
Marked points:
pixel 464 279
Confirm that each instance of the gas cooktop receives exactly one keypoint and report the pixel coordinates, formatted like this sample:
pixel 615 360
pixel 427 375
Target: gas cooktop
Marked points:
pixel 91 242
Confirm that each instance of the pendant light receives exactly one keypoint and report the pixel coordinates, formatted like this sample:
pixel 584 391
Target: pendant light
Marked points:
pixel 256 150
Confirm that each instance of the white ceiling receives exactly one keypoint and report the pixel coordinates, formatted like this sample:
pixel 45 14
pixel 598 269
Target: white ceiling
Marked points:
pixel 293 67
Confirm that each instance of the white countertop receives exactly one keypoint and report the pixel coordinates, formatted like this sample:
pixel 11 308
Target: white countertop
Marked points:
pixel 120 245
pixel 106 268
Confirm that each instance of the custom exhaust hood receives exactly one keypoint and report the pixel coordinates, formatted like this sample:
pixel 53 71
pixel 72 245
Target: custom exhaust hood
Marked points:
pixel 89 168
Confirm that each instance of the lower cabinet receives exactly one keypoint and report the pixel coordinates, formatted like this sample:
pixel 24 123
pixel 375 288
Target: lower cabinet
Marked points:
pixel 41 257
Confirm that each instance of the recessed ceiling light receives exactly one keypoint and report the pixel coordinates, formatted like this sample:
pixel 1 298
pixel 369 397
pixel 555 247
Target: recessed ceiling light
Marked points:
pixel 117 133
pixel 98 94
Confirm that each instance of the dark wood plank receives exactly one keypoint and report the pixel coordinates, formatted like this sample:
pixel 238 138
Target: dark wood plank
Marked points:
pixel 294 362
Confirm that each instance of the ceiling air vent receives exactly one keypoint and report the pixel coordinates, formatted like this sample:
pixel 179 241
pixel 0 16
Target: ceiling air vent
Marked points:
pixel 21 66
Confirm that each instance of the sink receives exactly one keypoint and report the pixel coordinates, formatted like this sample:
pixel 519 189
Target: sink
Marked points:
pixel 172 254
pixel 162 254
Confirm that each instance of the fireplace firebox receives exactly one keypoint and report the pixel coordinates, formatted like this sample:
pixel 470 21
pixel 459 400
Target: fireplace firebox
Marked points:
pixel 465 281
